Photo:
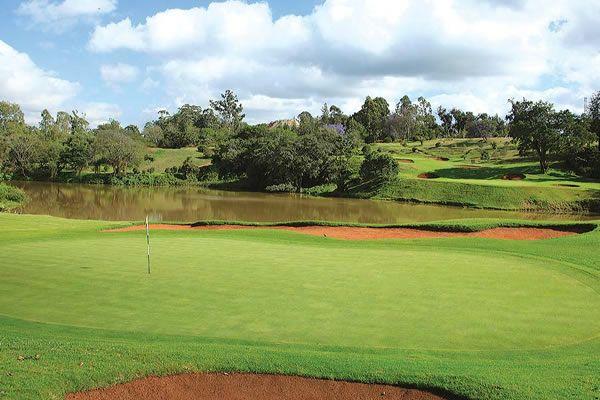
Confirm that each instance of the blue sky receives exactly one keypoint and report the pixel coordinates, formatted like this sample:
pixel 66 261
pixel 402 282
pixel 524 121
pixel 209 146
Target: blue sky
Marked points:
pixel 127 59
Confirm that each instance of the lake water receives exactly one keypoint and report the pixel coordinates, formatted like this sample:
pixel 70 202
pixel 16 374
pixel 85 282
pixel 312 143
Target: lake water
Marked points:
pixel 193 204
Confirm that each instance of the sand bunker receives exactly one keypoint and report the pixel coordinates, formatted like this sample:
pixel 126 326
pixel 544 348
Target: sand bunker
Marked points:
pixel 513 177
pixel 406 161
pixel 248 387
pixel 362 233
pixel 428 175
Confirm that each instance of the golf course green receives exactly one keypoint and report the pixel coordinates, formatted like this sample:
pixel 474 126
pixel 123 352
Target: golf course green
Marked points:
pixel 479 318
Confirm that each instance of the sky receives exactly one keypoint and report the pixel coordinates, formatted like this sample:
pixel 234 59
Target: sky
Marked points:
pixel 126 59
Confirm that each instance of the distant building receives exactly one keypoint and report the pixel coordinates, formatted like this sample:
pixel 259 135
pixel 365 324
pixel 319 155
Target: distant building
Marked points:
pixel 287 123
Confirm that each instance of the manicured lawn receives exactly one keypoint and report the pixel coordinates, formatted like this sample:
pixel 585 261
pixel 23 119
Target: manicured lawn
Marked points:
pixel 488 319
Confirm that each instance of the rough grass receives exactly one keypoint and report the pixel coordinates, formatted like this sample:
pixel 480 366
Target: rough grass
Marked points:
pixel 485 319
pixel 11 197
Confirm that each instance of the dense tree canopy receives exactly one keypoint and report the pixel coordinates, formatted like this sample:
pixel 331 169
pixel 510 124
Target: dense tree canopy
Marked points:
pixel 291 154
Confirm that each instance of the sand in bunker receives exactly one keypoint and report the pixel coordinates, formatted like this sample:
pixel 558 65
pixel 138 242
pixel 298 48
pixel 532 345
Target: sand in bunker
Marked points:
pixel 248 387
pixel 359 233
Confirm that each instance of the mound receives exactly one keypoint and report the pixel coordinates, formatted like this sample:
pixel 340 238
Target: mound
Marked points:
pixel 248 386
pixel 467 166
pixel 428 175
pixel 360 233
pixel 567 185
pixel 513 177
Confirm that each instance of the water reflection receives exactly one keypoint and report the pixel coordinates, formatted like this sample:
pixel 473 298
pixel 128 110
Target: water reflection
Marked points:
pixel 192 204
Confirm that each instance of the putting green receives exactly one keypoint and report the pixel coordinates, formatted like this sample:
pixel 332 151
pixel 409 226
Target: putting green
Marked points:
pixel 255 286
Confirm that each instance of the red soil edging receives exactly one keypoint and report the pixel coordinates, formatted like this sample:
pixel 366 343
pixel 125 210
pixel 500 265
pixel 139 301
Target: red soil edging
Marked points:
pixel 367 233
pixel 428 175
pixel 223 386
pixel 513 177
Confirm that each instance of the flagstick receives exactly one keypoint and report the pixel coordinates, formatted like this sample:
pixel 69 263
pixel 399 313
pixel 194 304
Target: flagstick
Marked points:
pixel 148 242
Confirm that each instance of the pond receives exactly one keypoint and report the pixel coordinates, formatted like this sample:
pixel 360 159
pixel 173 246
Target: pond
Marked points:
pixel 189 204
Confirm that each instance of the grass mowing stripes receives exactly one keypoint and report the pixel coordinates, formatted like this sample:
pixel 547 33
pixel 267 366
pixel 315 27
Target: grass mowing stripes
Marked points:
pixel 486 319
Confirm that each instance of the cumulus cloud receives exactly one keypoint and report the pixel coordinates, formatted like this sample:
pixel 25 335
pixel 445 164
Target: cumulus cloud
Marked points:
pixel 477 53
pixel 59 15
pixel 23 82
pixel 98 113
pixel 117 74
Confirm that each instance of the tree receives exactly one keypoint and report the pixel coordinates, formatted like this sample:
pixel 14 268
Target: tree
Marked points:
pixel 594 113
pixel 47 123
pixel 12 119
pixel 325 114
pixel 24 152
pixel 404 119
pixel 283 158
pixel 77 152
pixel 229 110
pixel 535 127
pixel 447 120
pixel 153 133
pixel 378 168
pixel 373 116
pixel 133 132
pixel 78 122
pixel 336 116
pixel 115 148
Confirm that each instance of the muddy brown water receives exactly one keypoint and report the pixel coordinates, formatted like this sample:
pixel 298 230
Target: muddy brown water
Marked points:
pixel 191 204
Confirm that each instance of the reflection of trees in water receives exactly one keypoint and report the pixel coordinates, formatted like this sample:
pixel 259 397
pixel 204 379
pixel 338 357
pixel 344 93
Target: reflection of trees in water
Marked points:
pixel 191 204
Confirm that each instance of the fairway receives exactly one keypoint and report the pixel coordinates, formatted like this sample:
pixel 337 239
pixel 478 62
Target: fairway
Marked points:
pixel 267 287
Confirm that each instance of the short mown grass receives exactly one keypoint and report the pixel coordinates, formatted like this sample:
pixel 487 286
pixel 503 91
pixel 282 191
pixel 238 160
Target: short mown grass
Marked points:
pixel 479 318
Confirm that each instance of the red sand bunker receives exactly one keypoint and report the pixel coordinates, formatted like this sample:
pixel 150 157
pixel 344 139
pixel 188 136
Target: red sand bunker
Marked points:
pixel 360 233
pixel 248 387
pixel 513 177
pixel 428 175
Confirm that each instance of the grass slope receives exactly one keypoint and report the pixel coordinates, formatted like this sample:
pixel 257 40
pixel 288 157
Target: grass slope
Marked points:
pixel 464 178
pixel 485 319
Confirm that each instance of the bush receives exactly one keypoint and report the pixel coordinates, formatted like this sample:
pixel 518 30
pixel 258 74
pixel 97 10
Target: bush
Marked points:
pixel 281 188
pixel 378 167
pixel 10 197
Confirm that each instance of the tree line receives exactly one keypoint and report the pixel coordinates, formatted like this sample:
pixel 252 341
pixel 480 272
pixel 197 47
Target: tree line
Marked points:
pixel 303 152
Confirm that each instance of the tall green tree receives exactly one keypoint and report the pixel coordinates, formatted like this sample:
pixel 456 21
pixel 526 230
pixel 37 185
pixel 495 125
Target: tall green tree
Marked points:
pixel 77 151
pixel 373 116
pixel 12 119
pixel 229 109
pixel 536 127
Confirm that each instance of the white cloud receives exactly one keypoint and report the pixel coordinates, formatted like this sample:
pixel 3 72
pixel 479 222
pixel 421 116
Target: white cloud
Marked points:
pixel 98 113
pixel 117 74
pixel 59 15
pixel 23 82
pixel 469 53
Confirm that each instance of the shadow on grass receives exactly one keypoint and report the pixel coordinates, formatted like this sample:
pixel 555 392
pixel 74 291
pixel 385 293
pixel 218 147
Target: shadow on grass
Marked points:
pixel 484 172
